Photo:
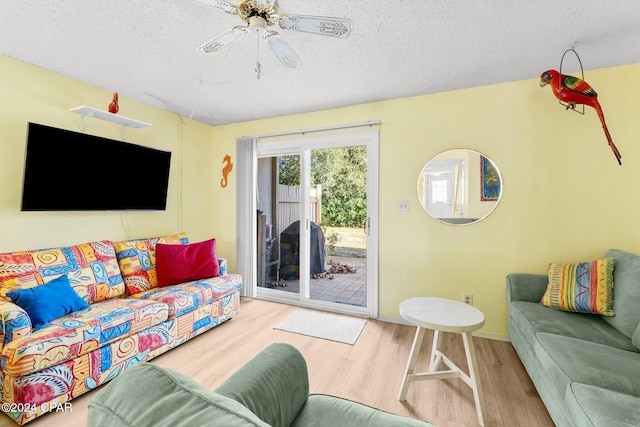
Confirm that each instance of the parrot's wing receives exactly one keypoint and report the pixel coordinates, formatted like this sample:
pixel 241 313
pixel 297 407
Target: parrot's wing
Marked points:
pixel 575 84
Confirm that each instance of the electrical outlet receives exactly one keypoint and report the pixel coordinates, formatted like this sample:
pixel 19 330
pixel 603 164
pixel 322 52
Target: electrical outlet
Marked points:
pixel 467 299
pixel 403 206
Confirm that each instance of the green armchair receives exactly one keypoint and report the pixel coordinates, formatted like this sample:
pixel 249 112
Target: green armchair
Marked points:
pixel 272 389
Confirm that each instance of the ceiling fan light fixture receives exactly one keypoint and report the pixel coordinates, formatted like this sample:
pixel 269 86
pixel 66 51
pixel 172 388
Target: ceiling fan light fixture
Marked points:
pixel 257 24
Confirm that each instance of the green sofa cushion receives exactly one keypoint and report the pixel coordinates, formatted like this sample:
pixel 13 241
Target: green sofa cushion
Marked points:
pixel 597 407
pixel 329 411
pixel 177 401
pixel 565 360
pixel 534 317
pixel 545 385
pixel 626 291
pixel 636 338
pixel 273 385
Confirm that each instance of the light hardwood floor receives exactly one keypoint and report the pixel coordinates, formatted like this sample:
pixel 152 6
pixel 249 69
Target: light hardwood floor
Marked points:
pixel 369 372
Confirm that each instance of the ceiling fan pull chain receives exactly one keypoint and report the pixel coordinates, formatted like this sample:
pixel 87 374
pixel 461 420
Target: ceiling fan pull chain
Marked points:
pixel 258 65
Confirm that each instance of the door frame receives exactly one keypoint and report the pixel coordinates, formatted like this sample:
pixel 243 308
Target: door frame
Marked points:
pixel 248 150
pixel 436 209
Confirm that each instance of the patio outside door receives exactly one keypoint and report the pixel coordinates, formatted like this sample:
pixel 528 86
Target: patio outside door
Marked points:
pixel 316 216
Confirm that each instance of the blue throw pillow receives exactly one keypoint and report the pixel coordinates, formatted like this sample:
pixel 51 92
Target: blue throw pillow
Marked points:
pixel 49 301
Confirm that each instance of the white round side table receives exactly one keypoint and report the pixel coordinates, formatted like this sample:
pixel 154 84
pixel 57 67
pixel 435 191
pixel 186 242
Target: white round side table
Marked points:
pixel 443 315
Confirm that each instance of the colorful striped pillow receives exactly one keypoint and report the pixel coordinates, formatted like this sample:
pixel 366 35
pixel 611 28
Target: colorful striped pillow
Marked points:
pixel 137 261
pixel 585 287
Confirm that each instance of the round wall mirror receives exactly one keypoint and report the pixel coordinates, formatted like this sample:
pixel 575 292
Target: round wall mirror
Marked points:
pixel 459 186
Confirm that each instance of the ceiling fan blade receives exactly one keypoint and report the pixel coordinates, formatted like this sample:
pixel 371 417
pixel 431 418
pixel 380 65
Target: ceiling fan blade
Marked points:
pixel 268 3
pixel 335 27
pixel 223 41
pixel 220 4
pixel 283 52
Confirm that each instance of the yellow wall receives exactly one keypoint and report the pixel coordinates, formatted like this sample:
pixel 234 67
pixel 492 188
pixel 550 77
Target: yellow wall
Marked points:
pixel 30 94
pixel 565 197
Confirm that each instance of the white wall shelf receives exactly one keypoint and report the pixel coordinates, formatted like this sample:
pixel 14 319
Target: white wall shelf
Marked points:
pixel 124 122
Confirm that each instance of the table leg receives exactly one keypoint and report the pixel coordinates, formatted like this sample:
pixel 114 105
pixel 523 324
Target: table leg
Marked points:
pixel 474 376
pixel 411 363
pixel 436 355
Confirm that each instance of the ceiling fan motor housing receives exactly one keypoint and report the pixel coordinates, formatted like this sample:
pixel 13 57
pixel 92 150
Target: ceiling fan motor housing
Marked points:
pixel 257 24
pixel 248 9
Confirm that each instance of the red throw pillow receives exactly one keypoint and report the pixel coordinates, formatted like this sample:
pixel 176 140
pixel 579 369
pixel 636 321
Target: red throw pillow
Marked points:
pixel 185 263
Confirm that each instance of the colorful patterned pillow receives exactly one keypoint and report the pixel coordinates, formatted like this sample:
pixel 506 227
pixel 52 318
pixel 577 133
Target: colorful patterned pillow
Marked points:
pixel 17 271
pixel 585 287
pixel 137 260
pixel 92 269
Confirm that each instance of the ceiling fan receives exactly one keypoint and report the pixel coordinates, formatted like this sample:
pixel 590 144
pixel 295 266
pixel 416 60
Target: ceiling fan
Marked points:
pixel 260 16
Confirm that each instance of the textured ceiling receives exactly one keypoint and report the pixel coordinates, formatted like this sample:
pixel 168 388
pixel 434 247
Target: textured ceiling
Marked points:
pixel 146 49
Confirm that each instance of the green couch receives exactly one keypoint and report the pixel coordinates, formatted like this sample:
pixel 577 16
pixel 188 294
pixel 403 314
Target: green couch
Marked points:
pixel 586 367
pixel 272 389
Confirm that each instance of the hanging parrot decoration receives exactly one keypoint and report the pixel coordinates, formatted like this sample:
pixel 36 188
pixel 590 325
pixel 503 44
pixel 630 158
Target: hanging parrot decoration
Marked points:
pixel 572 91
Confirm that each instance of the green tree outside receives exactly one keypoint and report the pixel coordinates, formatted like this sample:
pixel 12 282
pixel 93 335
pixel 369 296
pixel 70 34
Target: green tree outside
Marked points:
pixel 342 172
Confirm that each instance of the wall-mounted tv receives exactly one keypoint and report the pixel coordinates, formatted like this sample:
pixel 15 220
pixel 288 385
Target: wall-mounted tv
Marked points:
pixel 71 171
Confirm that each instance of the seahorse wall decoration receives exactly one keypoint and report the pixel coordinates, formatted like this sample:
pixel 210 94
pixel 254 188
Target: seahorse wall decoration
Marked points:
pixel 228 167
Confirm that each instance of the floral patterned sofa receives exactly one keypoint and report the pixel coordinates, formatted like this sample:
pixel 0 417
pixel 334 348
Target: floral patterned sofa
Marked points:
pixel 127 319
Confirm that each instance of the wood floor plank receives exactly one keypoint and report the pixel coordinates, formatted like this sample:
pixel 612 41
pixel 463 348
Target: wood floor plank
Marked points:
pixel 369 372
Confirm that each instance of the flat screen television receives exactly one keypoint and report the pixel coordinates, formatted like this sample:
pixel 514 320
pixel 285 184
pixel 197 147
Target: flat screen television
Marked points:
pixel 71 171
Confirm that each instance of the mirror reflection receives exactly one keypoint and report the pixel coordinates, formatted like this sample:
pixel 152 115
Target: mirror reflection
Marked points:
pixel 459 186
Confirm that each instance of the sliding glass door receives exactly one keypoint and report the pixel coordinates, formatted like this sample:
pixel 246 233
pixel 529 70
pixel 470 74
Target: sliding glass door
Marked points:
pixel 316 217
pixel 338 249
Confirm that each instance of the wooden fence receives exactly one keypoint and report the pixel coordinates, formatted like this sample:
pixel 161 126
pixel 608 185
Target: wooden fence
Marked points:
pixel 288 205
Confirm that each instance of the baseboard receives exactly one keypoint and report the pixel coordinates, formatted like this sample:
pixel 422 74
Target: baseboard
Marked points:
pixel 397 320
pixel 480 334
pixel 492 336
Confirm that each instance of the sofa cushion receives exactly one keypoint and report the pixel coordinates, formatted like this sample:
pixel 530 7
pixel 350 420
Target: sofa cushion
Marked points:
pixel 146 394
pixel 185 263
pixel 17 271
pixel 137 261
pixel 636 338
pixel 92 269
pixel 49 301
pixel 545 386
pixel 583 287
pixel 565 360
pixel 79 333
pixel 599 407
pixel 186 297
pixel 328 411
pixel 532 318
pixel 626 293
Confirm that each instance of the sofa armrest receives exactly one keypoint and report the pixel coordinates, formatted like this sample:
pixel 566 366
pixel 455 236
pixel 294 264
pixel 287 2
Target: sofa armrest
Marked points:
pixel 222 263
pixel 14 323
pixel 274 385
pixel 146 395
pixel 526 287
